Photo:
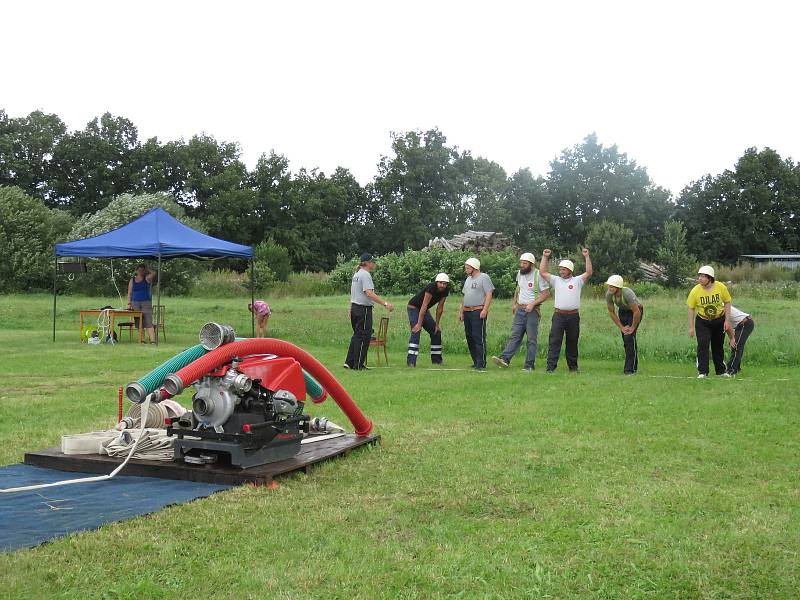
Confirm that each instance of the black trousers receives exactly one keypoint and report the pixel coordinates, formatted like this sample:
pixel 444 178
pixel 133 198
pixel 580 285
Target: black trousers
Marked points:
pixel 361 321
pixel 569 326
pixel 475 330
pixel 711 332
pixel 740 334
pixel 629 341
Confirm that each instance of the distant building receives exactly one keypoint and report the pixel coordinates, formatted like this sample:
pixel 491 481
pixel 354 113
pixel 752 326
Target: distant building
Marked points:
pixel 790 261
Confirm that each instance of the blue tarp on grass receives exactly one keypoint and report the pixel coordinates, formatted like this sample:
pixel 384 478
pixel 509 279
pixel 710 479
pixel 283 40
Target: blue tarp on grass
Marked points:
pixel 30 518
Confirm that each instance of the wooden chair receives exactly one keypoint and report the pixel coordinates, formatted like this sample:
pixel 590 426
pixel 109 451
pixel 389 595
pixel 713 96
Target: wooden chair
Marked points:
pixel 380 340
pixel 158 323
pixel 159 314
pixel 130 326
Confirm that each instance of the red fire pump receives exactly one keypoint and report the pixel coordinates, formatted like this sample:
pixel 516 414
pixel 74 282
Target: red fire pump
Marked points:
pixel 248 406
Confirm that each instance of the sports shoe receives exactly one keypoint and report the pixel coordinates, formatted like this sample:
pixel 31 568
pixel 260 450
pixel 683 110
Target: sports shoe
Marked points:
pixel 527 369
pixel 702 376
pixel 724 375
pixel 346 366
pixel 500 362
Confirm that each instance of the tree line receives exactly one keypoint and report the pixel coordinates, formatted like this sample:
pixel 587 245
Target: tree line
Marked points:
pixel 423 187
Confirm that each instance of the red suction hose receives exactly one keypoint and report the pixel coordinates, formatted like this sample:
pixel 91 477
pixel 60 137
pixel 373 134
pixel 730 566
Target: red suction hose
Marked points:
pixel 175 383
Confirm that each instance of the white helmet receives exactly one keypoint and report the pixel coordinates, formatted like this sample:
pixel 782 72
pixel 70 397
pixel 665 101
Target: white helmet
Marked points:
pixel 529 257
pixel 567 264
pixel 442 277
pixel 616 281
pixel 706 270
pixel 474 263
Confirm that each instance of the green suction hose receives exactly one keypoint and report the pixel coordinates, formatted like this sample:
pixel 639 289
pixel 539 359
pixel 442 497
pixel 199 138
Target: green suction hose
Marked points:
pixel 137 390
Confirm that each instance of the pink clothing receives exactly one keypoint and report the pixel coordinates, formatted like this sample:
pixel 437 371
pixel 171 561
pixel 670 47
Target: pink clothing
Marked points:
pixel 261 308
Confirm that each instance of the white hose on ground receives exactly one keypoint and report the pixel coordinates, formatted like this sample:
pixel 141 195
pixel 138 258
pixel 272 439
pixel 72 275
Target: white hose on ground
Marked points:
pixel 28 488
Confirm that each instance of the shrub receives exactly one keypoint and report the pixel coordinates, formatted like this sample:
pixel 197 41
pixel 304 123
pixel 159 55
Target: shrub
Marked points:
pixel 673 254
pixel 274 257
pixel 264 276
pixel 646 289
pixel 28 230
pixel 612 249
pixel 410 271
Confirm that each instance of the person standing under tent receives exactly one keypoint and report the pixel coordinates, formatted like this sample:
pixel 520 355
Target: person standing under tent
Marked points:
pixel 532 290
pixel 709 313
pixel 141 299
pixel 743 326
pixel 419 317
pixel 474 310
pixel 631 312
pixel 362 297
pixel 566 318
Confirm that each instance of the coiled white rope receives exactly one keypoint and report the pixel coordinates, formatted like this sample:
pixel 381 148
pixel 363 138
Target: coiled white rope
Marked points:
pixel 28 488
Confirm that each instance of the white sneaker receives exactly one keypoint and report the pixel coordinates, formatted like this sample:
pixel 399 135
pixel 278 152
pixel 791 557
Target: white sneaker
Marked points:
pixel 500 362
pixel 702 376
pixel 724 374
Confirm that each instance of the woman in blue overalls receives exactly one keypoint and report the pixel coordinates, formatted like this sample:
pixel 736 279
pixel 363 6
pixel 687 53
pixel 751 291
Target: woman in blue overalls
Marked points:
pixel 139 298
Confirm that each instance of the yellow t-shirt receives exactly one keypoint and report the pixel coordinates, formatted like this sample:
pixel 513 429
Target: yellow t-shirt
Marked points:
pixel 709 305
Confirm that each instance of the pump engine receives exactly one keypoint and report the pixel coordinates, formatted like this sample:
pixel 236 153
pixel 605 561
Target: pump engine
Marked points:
pixel 247 412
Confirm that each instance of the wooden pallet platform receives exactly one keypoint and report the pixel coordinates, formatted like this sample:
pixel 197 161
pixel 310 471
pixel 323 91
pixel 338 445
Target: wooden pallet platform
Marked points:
pixel 309 455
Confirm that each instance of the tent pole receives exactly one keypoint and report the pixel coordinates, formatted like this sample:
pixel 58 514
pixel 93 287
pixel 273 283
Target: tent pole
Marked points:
pixel 252 298
pixel 158 302
pixel 55 273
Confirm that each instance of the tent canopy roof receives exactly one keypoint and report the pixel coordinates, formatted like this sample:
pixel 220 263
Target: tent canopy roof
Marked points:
pixel 155 233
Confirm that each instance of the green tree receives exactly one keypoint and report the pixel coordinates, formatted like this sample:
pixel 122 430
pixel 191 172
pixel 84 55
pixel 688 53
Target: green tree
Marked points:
pixel 528 213
pixel 613 250
pixel 28 230
pixel 754 209
pixel 207 168
pixel 419 191
pixel 26 151
pixel 91 166
pixel 485 183
pixel 673 254
pixel 590 182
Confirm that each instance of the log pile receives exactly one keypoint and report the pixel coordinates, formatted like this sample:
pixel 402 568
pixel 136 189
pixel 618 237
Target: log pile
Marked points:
pixel 652 272
pixel 475 241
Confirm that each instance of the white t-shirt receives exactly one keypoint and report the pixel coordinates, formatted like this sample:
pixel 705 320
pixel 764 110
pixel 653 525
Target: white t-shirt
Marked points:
pixel 528 286
pixel 567 291
pixel 362 281
pixel 737 316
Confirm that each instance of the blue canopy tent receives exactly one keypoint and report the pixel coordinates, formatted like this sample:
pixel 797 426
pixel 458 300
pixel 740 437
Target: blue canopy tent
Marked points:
pixel 156 235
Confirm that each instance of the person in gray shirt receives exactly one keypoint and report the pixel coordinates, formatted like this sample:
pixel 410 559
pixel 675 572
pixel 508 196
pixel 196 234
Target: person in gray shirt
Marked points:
pixel 362 298
pixel 631 312
pixel 474 310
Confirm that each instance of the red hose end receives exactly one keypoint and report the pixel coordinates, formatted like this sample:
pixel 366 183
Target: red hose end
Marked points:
pixel 321 398
pixel 367 429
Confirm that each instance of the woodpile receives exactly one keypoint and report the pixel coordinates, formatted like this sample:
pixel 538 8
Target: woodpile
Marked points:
pixel 475 241
pixel 652 272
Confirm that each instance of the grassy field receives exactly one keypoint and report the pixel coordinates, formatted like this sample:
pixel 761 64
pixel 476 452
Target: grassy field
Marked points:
pixel 486 485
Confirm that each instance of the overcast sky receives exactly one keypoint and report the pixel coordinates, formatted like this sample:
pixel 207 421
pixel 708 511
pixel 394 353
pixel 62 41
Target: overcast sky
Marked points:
pixel 682 87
